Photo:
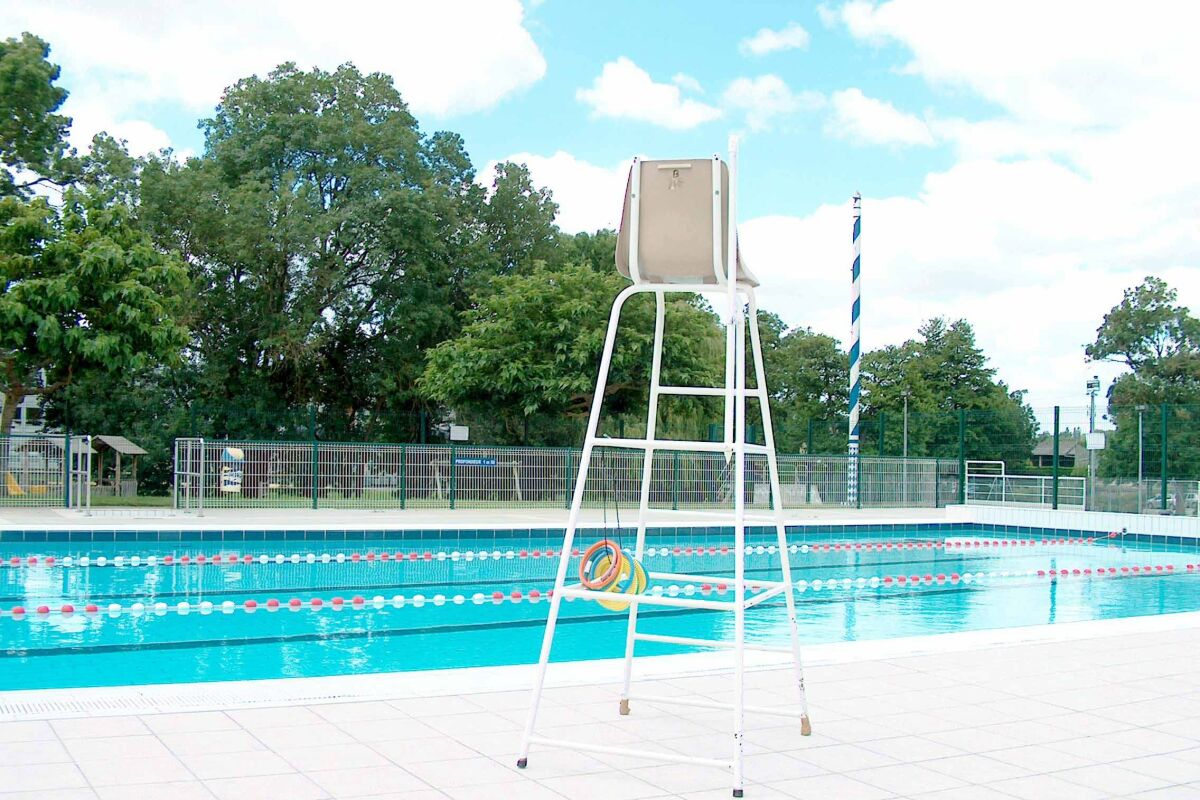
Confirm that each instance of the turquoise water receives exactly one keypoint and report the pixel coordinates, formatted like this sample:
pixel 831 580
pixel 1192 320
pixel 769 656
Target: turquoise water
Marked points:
pixel 98 649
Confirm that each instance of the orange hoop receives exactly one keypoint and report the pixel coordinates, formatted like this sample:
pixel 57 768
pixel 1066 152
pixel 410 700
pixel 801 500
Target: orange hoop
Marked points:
pixel 591 559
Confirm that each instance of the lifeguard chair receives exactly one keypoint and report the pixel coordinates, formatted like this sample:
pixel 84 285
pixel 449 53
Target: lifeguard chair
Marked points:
pixel 678 234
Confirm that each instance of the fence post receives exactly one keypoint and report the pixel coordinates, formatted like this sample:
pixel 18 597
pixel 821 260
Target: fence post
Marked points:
pixel 1163 466
pixel 882 416
pixel 1054 468
pixel 67 476
pixel 316 471
pixel 674 481
pixel 856 465
pixel 962 456
pixel 200 497
pixel 937 483
pixel 568 468
pixel 453 474
pixel 403 476
pixel 808 449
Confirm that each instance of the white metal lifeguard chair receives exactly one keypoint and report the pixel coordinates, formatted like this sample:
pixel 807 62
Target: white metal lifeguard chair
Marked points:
pixel 678 234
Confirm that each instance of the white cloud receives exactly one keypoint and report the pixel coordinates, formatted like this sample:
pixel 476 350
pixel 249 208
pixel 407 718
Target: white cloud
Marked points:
pixel 790 37
pixel 447 58
pixel 623 90
pixel 1033 271
pixel 687 82
pixel 589 196
pixel 766 97
pixel 1081 64
pixel 865 120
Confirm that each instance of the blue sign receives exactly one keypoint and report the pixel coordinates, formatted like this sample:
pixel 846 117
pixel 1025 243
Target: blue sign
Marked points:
pixel 475 462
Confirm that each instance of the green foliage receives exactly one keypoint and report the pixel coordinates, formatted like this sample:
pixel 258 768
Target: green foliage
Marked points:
pixel 532 343
pixel 1146 329
pixel 1159 340
pixel 944 371
pixel 807 375
pixel 83 289
pixel 32 136
pixel 329 240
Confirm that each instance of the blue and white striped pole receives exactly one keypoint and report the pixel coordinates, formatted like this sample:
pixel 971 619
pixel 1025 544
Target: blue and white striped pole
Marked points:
pixel 855 353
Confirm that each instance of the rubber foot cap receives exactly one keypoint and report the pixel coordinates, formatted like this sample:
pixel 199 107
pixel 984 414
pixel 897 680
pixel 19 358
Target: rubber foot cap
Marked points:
pixel 738 793
pixel 624 707
pixel 805 727
pixel 522 763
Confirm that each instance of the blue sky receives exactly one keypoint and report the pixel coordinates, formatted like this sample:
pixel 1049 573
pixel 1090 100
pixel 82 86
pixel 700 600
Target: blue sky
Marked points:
pixel 1021 163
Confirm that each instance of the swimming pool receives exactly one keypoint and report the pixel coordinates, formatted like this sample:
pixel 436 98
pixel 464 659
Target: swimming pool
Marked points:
pixel 114 612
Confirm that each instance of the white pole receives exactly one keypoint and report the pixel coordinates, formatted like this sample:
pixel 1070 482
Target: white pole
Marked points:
pixel 564 558
pixel 760 377
pixel 739 533
pixel 647 471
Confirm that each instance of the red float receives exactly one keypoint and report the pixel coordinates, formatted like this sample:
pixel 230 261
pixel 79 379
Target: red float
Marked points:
pixel 251 604
pixel 272 603
pixel 294 602
pixel 516 594
pixel 91 608
pixel 497 597
pixel 18 610
pixel 43 609
pixel 316 602
pixel 358 600
pixel 68 609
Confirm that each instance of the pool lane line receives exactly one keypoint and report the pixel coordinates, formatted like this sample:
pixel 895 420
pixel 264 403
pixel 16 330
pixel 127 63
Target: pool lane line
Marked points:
pixel 263 559
pixel 800 569
pixel 537 595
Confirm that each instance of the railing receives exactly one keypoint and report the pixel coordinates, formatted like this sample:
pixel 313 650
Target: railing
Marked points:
pixel 989 488
pixel 263 474
pixel 46 471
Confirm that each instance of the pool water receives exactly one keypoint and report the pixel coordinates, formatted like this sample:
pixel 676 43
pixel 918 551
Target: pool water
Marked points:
pixel 481 602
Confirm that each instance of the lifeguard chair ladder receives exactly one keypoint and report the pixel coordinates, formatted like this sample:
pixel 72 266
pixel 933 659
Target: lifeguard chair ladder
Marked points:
pixel 678 234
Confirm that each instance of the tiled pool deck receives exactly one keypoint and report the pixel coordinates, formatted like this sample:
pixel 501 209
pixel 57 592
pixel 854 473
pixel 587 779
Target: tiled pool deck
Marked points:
pixel 1085 710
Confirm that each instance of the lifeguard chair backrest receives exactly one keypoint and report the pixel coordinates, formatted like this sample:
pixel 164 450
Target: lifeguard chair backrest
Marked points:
pixel 675 222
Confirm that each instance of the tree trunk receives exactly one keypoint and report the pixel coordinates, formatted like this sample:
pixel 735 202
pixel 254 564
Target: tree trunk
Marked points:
pixel 12 398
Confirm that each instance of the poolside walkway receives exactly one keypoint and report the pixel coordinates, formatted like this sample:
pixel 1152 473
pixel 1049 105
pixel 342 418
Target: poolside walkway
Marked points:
pixel 1110 715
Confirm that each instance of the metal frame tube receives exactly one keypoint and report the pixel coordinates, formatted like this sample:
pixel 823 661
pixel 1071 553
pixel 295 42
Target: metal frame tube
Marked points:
pixel 760 378
pixel 644 494
pixel 564 558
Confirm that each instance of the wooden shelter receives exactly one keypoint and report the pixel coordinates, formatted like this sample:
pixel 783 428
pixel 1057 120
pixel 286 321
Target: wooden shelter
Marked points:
pixel 120 477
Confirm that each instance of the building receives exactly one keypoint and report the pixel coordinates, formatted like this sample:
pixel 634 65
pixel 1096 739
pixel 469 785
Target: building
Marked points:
pixel 1071 451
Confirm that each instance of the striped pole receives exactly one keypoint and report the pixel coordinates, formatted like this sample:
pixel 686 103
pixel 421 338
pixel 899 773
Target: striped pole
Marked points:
pixel 855 352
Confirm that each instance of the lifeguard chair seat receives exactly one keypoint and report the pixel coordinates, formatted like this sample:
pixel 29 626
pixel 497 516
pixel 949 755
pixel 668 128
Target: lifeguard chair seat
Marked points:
pixel 671 212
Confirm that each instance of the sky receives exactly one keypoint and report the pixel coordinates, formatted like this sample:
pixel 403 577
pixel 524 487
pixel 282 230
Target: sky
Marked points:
pixel 1021 163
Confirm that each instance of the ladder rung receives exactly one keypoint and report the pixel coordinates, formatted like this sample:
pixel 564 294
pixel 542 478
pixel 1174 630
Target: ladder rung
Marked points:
pixel 716 643
pixel 675 444
pixel 653 698
pixel 704 391
pixel 647 599
pixel 653 755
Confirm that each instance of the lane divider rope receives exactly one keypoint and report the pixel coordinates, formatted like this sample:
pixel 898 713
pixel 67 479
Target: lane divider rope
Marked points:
pixel 359 602
pixel 217 559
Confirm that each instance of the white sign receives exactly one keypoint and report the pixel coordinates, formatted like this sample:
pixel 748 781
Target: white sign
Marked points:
pixel 232 459
pixel 459 433
pixel 1095 441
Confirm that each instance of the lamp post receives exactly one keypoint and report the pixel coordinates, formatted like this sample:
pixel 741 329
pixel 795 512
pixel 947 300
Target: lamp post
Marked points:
pixel 1093 389
pixel 1141 409
pixel 906 393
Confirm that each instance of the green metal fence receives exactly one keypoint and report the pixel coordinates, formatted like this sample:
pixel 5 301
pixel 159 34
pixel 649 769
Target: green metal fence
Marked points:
pixel 273 474
pixel 46 471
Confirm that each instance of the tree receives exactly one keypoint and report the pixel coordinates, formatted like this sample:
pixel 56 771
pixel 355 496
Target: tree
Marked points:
pixel 532 343
pixel 1146 328
pixel 945 372
pixel 83 290
pixel 330 240
pixel 1159 341
pixel 807 375
pixel 32 137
